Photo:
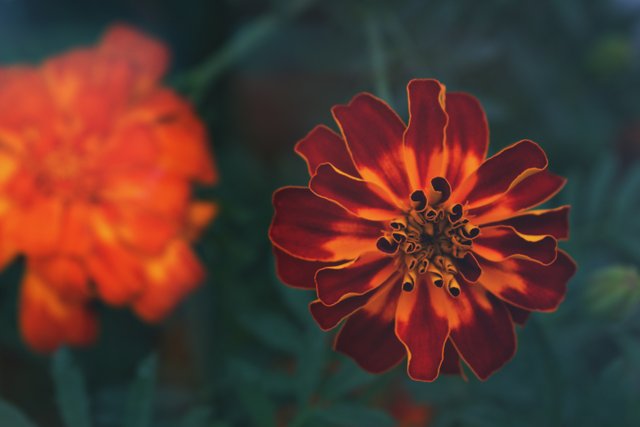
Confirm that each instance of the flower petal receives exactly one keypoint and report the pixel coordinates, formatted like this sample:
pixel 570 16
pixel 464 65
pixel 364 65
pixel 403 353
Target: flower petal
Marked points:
pixel 481 330
pixel 322 145
pixel 147 57
pixel 423 328
pixel 368 337
pixel 550 222
pixel 519 315
pixel 367 272
pixel 67 275
pixel 451 360
pixel 313 228
pixel 467 137
pixel 361 198
pixel 328 316
pixel 169 278
pixel 296 272
pixel 529 192
pixel 35 229
pixel 425 134
pixel 499 172
pixel 497 243
pixel 373 132
pixel 48 321
pixel 528 284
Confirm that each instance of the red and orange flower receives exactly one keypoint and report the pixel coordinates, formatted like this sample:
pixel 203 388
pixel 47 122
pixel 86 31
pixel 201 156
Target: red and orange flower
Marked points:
pixel 97 160
pixel 426 247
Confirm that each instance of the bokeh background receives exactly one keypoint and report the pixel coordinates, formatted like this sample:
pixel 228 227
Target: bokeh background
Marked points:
pixel 243 350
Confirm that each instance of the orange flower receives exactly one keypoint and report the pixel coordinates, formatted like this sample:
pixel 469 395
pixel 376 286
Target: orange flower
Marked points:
pixel 96 164
pixel 427 248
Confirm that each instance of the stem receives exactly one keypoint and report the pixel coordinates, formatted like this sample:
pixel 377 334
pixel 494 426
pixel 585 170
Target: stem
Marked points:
pixel 378 58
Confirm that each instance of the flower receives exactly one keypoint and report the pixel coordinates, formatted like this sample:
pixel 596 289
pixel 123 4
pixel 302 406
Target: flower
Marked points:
pixel 96 165
pixel 425 247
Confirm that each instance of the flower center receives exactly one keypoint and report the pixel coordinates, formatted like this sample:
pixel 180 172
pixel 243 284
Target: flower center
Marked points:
pixel 430 237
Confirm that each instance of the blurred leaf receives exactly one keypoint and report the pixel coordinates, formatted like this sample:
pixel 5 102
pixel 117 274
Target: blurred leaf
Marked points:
pixel 257 406
pixel 197 417
pixel 348 379
pixel 71 393
pixel 273 330
pixel 10 416
pixel 141 395
pixel 311 365
pixel 354 415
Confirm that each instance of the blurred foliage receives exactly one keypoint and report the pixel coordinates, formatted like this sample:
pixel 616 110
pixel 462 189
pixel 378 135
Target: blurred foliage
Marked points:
pixel 243 350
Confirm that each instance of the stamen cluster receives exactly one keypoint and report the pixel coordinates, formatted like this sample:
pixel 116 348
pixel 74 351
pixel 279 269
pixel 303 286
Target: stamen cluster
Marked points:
pixel 430 237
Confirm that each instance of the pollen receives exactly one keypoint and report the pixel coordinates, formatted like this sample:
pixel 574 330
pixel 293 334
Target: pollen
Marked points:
pixel 430 238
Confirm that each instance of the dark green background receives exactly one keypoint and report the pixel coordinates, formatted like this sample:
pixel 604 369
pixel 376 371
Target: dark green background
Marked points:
pixel 243 350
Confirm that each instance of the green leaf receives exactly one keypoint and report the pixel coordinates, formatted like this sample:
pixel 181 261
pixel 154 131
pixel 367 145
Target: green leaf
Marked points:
pixel 140 404
pixel 349 378
pixel 257 405
pixel 199 416
pixel 70 389
pixel 10 416
pixel 347 415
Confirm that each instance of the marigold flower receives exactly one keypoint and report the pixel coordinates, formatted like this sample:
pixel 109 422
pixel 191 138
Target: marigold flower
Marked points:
pixel 426 247
pixel 96 164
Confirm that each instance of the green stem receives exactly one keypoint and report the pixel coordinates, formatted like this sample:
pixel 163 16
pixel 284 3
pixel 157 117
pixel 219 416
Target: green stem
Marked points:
pixel 378 58
pixel 243 42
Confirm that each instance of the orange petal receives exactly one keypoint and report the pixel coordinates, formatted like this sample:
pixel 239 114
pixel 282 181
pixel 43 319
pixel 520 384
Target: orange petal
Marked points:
pixel 144 231
pixel 147 57
pixel 368 337
pixel 48 321
pixel 328 316
pixel 35 229
pixel 169 279
pixel 322 145
pixel 362 198
pixel 497 243
pixel 367 272
pixel 67 275
pixel 373 132
pixel 313 228
pixel 499 172
pixel 467 137
pixel 424 137
pixel 422 325
pixel 528 284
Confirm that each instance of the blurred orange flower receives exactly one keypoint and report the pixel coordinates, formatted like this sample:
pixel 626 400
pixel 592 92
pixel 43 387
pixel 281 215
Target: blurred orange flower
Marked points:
pixel 423 245
pixel 96 165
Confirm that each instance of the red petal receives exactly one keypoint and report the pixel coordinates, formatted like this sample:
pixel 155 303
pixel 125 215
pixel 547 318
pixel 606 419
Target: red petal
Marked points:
pixel 467 136
pixel 296 272
pixel 48 321
pixel 500 172
pixel 531 191
pixel 373 132
pixel 481 330
pixel 497 243
pixel 424 137
pixel 528 284
pixel 313 228
pixel 35 229
pixel 322 145
pixel 469 267
pixel 422 325
pixel 67 275
pixel 362 198
pixel 364 274
pixel 451 360
pixel 518 315
pixel 368 337
pixel 549 222
pixel 328 316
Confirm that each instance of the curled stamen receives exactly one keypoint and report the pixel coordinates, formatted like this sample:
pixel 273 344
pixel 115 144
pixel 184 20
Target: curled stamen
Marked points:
pixel 399 237
pixel 453 287
pixel 386 245
pixel 408 282
pixel 399 224
pixel 441 190
pixel 418 200
pixel 470 231
pixel 422 267
pixel 455 213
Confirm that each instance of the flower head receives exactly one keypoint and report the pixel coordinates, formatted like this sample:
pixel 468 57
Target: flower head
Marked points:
pixel 426 248
pixel 97 160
